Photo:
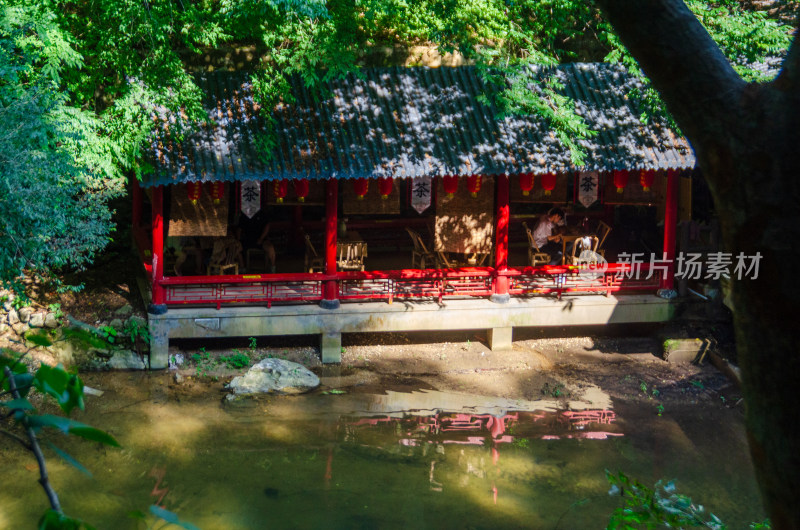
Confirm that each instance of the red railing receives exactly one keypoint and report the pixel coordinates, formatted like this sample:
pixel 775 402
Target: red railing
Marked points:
pixel 406 284
pixel 557 280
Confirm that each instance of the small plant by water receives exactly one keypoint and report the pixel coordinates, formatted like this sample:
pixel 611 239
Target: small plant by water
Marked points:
pixel 238 359
pixel 659 507
pixel 556 390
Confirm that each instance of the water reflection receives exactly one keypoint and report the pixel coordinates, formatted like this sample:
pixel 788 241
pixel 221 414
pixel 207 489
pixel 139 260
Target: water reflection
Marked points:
pixel 421 459
pixel 412 432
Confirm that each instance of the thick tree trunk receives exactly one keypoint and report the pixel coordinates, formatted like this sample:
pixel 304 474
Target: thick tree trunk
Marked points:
pixel 747 141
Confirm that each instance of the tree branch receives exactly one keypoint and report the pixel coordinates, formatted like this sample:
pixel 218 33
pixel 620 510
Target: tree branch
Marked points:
pixel 681 59
pixel 37 451
pixel 13 436
pixel 789 77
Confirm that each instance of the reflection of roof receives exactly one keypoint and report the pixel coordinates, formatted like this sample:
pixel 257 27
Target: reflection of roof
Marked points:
pixel 407 122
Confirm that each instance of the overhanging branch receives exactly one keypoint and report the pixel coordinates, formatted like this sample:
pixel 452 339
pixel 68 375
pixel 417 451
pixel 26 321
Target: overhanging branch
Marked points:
pixel 683 62
pixel 789 77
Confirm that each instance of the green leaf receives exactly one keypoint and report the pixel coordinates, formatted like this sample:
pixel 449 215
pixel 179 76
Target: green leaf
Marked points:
pixel 53 520
pixel 39 338
pixel 170 517
pixel 68 426
pixel 23 383
pixel 17 404
pixel 66 388
pixel 70 460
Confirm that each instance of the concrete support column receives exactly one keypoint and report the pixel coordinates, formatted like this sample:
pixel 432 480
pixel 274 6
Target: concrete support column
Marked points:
pixel 500 338
pixel 500 294
pixel 330 347
pixel 670 227
pixel 330 291
pixel 159 344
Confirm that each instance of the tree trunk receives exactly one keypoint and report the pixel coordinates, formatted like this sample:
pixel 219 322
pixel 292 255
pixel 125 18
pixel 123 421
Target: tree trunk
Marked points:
pixel 747 141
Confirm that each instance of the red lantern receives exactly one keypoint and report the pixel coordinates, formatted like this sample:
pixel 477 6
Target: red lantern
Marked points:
pixel 301 189
pixel 450 184
pixel 193 191
pixel 280 188
pixel 620 180
pixel 526 183
pixel 217 191
pixel 646 179
pixel 548 182
pixel 361 186
pixel 385 186
pixel 474 185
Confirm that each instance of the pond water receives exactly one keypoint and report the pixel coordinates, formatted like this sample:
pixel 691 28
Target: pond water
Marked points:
pixel 420 459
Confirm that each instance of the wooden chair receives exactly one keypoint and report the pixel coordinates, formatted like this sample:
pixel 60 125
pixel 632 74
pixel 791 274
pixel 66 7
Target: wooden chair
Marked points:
pixel 351 256
pixel 225 257
pixel 255 255
pixel 313 261
pixel 584 243
pixel 420 255
pixel 602 233
pixel 535 256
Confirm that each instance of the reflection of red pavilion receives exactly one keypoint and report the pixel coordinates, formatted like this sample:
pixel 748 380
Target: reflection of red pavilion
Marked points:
pixel 491 430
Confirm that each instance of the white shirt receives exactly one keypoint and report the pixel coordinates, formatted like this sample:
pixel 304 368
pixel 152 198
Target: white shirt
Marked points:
pixel 543 230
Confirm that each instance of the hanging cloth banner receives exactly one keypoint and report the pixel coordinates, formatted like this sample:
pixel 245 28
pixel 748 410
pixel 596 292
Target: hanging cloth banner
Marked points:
pixel 251 197
pixel 588 187
pixel 421 191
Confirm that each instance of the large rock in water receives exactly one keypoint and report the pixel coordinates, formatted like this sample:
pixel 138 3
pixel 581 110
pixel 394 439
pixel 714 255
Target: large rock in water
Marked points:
pixel 275 375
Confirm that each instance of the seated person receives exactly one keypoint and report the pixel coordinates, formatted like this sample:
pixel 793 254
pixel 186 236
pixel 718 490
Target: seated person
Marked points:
pixel 182 246
pixel 254 233
pixel 546 235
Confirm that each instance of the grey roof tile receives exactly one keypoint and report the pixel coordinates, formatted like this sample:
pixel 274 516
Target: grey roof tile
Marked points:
pixel 406 122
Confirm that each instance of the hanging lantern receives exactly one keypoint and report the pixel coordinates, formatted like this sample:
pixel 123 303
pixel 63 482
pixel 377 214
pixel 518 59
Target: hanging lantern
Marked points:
pixel 646 179
pixel 385 186
pixel 301 189
pixel 548 182
pixel 280 188
pixel 526 183
pixel 193 191
pixel 620 180
pixel 450 184
pixel 361 186
pixel 217 191
pixel 474 185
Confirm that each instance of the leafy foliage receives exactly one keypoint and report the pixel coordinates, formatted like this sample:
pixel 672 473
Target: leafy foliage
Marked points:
pixel 80 82
pixel 18 411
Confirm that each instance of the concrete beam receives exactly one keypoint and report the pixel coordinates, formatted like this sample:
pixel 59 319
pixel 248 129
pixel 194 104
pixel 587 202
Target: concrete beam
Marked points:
pixel 375 317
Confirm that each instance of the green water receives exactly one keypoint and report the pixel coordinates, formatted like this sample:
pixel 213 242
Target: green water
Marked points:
pixel 357 461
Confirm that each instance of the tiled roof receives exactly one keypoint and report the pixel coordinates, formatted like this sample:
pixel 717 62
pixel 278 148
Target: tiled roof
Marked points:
pixel 406 122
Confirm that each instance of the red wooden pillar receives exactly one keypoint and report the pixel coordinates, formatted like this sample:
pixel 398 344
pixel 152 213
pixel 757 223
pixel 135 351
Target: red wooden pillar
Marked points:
pixel 159 296
pixel 136 199
pixel 330 290
pixel 500 294
pixel 670 228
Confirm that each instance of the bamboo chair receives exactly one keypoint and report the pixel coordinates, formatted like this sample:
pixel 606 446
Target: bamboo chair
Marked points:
pixel 602 233
pixel 535 256
pixel 313 261
pixel 420 255
pixel 584 243
pixel 225 257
